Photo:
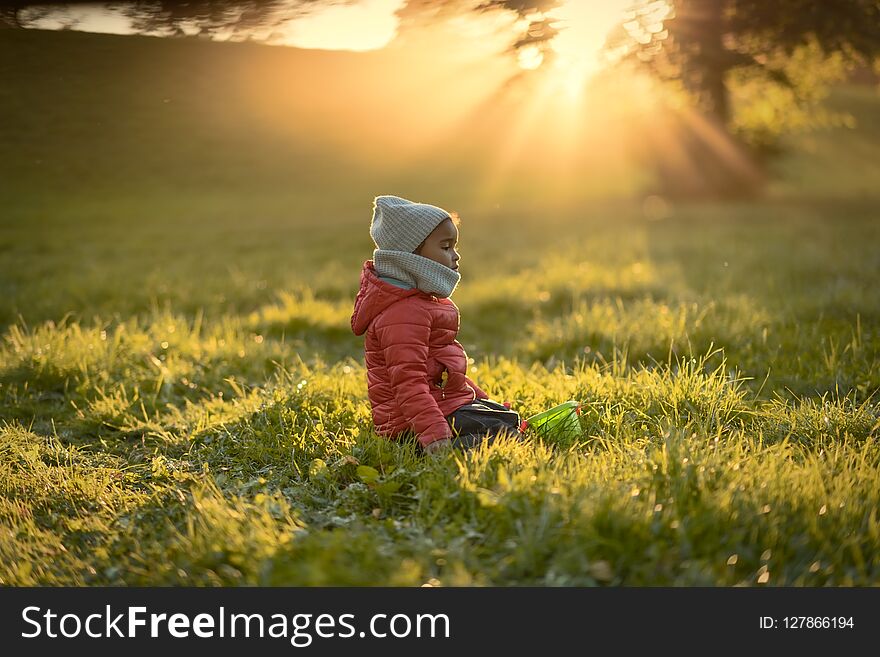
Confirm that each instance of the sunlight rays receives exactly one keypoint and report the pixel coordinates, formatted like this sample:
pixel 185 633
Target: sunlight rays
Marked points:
pixel 569 147
pixel 522 130
pixel 584 28
pixel 445 97
pixel 554 124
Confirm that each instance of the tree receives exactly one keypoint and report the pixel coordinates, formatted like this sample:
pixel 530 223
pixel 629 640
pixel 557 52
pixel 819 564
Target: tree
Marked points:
pixel 774 58
pixel 209 17
pixel 709 40
pixel 760 51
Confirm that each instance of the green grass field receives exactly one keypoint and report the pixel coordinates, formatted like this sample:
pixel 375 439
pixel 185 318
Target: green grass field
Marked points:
pixel 183 402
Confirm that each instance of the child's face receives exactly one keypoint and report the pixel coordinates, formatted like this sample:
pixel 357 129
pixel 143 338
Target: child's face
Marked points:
pixel 440 245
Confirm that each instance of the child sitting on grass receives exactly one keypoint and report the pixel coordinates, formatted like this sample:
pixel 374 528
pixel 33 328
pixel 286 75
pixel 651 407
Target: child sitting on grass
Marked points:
pixel 416 370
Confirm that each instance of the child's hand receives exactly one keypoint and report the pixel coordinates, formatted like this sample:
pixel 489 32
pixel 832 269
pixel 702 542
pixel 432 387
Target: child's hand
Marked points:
pixel 438 447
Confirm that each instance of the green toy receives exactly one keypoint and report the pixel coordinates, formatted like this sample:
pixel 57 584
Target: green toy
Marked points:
pixel 560 421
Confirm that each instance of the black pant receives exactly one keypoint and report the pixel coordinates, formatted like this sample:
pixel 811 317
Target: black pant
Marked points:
pixel 481 420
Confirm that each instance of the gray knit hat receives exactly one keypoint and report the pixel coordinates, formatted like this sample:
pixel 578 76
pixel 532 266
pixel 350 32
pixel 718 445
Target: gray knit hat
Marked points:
pixel 401 225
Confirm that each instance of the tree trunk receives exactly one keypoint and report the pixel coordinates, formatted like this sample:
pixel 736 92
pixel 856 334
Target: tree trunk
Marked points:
pixel 714 62
pixel 706 161
pixel 703 61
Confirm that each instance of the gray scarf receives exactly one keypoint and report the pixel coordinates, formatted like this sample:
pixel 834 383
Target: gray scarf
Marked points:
pixel 427 275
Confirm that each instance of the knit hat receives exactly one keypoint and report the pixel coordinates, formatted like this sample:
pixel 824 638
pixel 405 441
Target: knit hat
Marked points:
pixel 401 225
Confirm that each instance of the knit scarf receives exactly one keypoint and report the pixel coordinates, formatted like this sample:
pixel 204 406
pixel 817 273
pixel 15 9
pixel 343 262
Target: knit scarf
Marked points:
pixel 427 275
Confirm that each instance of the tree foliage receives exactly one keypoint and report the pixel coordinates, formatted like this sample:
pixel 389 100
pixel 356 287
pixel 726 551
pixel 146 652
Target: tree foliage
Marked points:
pixel 711 44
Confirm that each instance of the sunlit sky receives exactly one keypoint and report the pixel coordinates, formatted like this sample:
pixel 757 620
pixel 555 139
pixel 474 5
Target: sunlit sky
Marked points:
pixel 367 25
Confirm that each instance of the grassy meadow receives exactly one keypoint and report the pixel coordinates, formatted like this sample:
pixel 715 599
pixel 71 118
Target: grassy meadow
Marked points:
pixel 182 401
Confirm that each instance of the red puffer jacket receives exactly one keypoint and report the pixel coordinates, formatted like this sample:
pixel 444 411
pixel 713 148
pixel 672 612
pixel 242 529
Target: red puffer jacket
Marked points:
pixel 409 345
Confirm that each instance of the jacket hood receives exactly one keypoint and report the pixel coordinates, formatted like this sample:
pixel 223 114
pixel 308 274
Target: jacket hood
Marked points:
pixel 374 296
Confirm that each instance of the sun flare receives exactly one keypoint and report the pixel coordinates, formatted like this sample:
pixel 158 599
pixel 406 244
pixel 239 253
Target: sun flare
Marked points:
pixel 584 27
pixel 578 52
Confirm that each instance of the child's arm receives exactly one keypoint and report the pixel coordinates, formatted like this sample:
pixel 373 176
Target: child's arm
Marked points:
pixel 403 334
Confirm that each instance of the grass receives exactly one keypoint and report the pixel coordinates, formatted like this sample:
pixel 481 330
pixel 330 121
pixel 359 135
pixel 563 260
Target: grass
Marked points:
pixel 182 401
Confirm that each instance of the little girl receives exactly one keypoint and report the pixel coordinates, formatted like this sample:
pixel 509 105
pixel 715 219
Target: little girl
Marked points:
pixel 416 369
